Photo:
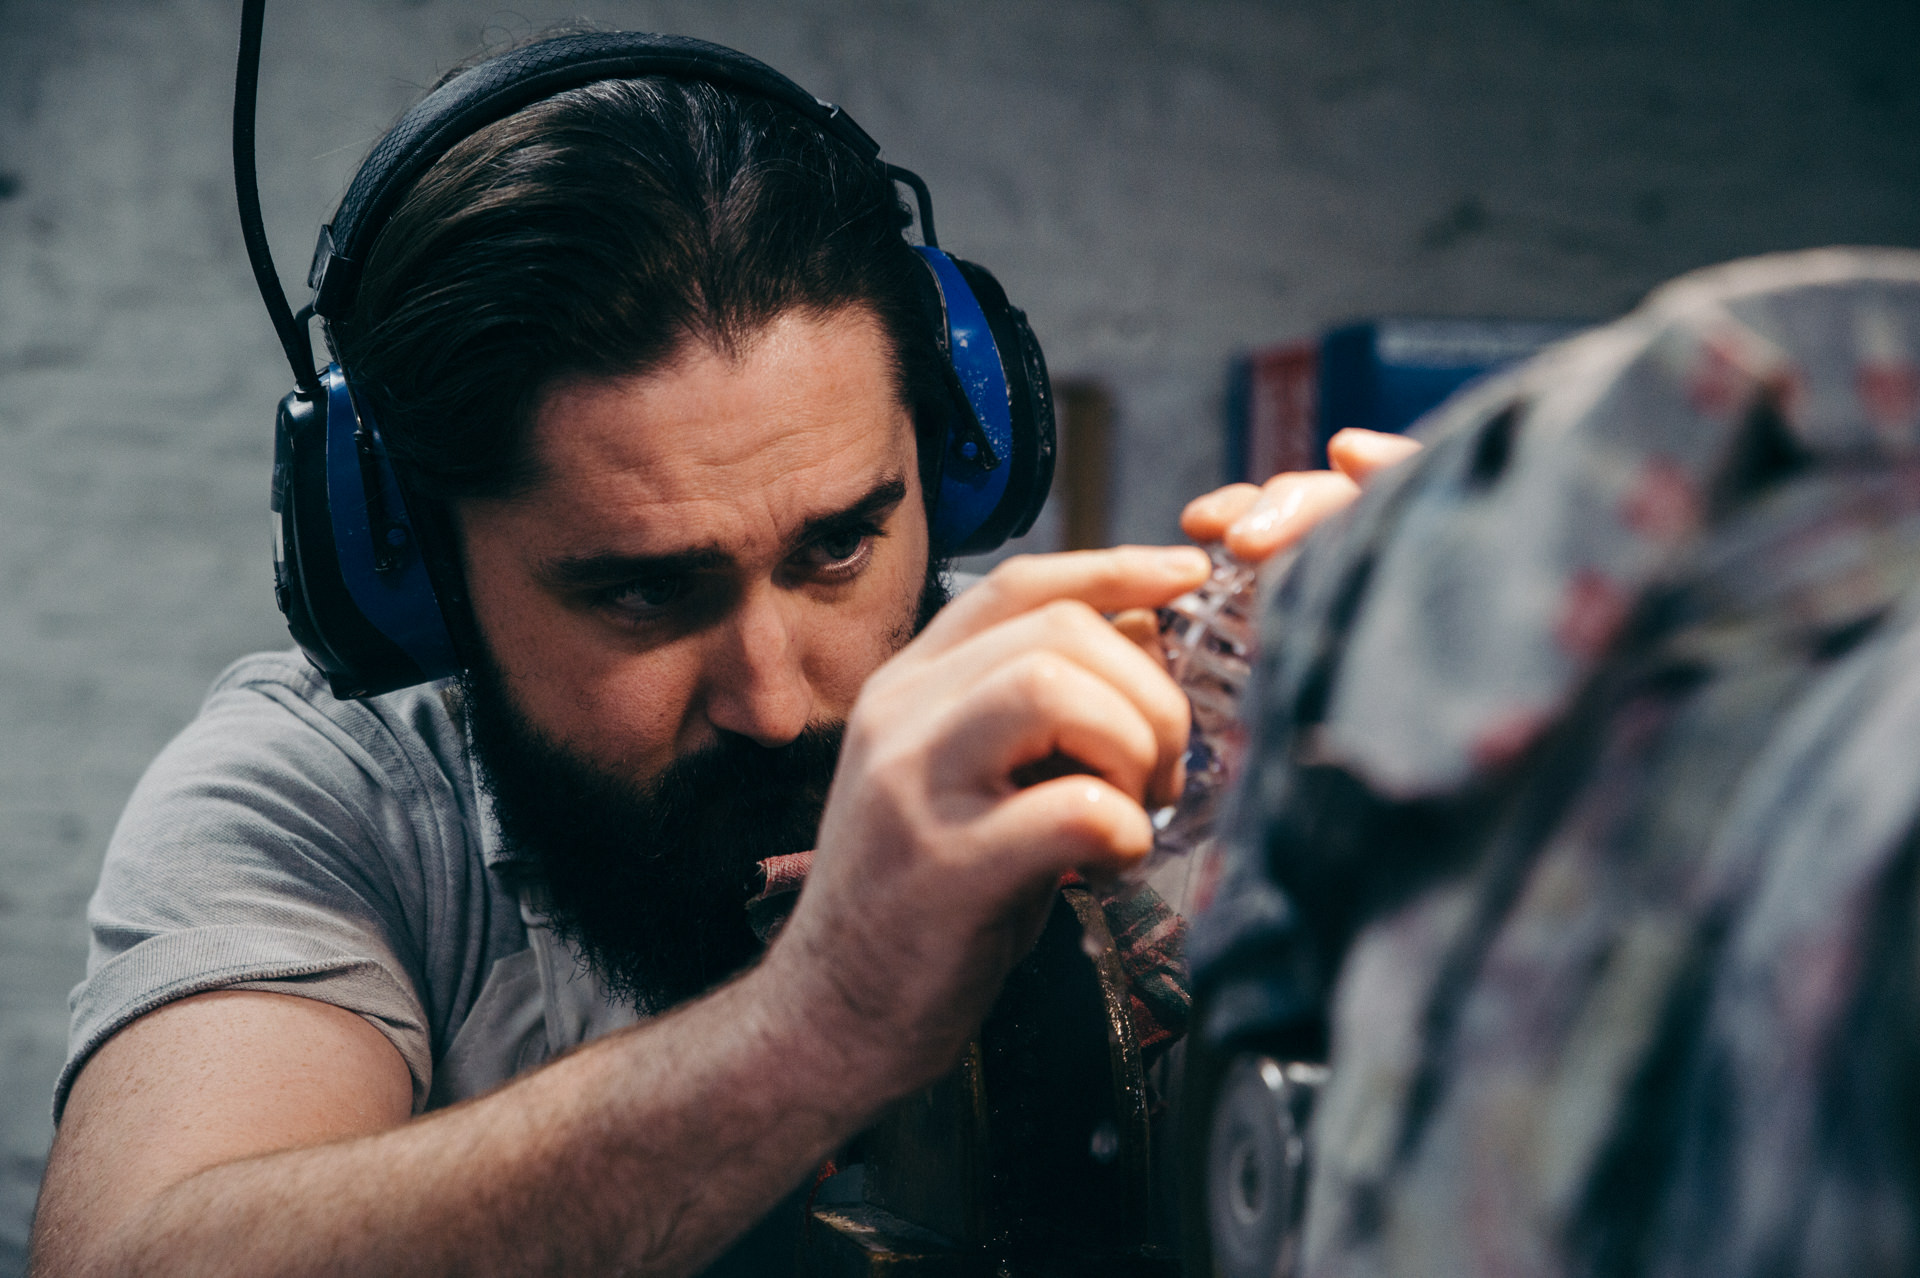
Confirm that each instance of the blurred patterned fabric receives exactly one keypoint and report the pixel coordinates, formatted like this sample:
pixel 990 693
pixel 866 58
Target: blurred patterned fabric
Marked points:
pixel 1582 802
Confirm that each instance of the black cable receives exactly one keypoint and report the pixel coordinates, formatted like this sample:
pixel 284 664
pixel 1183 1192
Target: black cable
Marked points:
pixel 246 185
pixel 923 196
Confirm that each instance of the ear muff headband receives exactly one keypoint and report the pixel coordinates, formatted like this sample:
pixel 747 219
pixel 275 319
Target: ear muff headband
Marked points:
pixel 995 476
pixel 374 596
pixel 501 86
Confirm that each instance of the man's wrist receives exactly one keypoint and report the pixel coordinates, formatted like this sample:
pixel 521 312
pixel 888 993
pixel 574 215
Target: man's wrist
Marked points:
pixel 813 1021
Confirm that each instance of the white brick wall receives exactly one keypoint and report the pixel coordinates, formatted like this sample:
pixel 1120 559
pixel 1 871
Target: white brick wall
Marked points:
pixel 1159 184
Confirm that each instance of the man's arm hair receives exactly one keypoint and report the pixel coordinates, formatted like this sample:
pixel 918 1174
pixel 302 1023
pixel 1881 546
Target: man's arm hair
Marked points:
pixel 253 1133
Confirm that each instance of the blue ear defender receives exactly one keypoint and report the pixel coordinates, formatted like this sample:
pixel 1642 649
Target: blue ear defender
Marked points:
pixel 378 549
pixel 353 570
pixel 368 573
pixel 997 464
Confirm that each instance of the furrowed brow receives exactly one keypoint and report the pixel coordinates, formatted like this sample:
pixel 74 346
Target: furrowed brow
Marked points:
pixel 880 501
pixel 576 572
pixel 579 572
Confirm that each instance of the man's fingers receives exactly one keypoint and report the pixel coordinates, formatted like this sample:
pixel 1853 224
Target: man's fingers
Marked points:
pixel 1358 453
pixel 1071 823
pixel 1289 506
pixel 1258 522
pixel 1141 628
pixel 1044 713
pixel 1206 518
pixel 1105 580
pixel 1072 632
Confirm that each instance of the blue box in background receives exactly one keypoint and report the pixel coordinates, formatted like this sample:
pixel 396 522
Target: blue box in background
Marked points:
pixel 1284 403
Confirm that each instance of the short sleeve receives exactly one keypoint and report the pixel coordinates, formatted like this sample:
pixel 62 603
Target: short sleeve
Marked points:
pixel 268 847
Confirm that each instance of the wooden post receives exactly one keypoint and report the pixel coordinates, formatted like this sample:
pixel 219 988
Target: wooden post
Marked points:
pixel 1086 460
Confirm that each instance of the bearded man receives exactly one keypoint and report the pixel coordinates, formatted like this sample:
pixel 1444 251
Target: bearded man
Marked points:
pixel 458 978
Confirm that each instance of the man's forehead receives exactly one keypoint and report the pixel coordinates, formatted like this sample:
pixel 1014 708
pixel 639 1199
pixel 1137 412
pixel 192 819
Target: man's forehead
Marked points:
pixel 800 424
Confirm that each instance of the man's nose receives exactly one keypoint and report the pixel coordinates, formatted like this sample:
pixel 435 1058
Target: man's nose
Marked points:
pixel 757 686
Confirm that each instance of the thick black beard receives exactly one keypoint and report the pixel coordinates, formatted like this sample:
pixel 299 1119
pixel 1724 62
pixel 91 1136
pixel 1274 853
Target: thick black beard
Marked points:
pixel 649 882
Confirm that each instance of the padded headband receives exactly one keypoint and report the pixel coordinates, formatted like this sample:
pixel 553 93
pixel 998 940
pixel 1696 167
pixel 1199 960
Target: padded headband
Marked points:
pixel 501 86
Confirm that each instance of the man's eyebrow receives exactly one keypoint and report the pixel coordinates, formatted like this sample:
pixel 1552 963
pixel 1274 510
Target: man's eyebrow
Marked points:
pixel 877 504
pixel 575 572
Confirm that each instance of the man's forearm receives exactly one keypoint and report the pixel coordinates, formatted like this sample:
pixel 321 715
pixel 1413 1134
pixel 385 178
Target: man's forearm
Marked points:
pixel 644 1153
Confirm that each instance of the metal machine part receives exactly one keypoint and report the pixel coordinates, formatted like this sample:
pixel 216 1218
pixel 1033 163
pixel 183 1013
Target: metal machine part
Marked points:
pixel 1257 1166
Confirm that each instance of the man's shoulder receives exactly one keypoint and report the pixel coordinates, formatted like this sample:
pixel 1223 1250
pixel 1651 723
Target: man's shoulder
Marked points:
pixel 271 740
pixel 286 668
pixel 279 698
pixel 289 841
pixel 288 677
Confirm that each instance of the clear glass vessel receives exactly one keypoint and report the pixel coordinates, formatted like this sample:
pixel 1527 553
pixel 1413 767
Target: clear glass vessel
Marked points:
pixel 1208 636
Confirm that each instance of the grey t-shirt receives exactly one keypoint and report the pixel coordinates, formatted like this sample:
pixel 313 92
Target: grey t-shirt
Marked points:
pixel 338 850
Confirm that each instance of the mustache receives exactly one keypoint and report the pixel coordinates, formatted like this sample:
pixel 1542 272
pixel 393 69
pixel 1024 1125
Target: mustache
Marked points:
pixel 735 779
pixel 649 883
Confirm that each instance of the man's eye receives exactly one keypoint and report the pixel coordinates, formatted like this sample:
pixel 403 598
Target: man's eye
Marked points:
pixel 840 546
pixel 841 554
pixel 648 594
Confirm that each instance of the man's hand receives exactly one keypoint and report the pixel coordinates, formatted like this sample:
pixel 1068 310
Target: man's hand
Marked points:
pixel 1256 523
pixel 936 863
pixel 950 823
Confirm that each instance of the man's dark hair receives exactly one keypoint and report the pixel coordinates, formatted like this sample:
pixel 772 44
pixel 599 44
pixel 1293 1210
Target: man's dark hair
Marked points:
pixel 594 234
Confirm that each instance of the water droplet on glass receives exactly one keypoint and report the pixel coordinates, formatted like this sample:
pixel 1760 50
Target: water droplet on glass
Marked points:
pixel 1105 1146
